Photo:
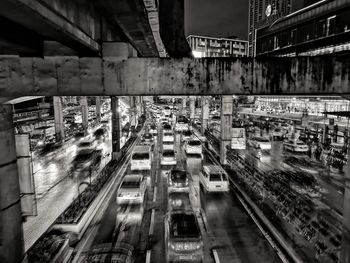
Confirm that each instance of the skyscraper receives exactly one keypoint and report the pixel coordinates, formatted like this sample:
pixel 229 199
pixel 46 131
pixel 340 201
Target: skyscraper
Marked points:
pixel 263 12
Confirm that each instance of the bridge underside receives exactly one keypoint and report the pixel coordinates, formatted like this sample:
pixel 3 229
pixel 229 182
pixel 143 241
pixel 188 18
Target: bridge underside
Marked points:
pixel 65 76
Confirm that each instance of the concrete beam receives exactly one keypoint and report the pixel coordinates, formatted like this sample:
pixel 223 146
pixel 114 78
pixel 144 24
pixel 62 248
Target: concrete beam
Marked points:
pixel 73 76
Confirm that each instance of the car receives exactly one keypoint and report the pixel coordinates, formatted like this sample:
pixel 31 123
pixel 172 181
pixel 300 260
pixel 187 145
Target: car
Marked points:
pixel 141 157
pixel 295 146
pixel 179 201
pixel 86 159
pixel 167 127
pixel 148 138
pixel 215 119
pixel 87 144
pixel 168 136
pixel 262 143
pixel 277 133
pixel 213 178
pixel 120 252
pixel 153 130
pixel 186 134
pixel 193 146
pixel 183 238
pixel 167 145
pixel 168 157
pixel 130 213
pixel 100 133
pixel 178 181
pixel 132 189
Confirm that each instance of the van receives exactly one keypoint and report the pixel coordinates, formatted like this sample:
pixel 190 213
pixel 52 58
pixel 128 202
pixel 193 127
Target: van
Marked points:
pixel 213 178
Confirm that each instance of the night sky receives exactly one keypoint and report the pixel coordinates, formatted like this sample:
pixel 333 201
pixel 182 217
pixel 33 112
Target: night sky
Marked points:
pixel 217 18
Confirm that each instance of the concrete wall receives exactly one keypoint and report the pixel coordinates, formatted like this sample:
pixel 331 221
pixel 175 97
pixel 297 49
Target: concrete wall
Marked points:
pixel 71 76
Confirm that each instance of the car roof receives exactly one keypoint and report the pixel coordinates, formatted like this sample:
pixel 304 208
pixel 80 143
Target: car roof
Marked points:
pixel 213 169
pixel 133 178
pixel 142 148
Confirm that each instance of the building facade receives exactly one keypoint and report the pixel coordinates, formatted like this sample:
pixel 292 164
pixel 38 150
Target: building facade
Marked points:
pixel 203 46
pixel 265 12
pixel 318 29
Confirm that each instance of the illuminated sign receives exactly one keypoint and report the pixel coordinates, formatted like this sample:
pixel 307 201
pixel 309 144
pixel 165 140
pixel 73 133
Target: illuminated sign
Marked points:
pixel 268 10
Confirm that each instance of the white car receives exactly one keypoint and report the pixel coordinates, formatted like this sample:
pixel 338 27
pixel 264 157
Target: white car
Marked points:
pixel 168 136
pixel 277 133
pixel 168 157
pixel 168 145
pixel 261 143
pixel 193 146
pixel 295 146
pixel 132 189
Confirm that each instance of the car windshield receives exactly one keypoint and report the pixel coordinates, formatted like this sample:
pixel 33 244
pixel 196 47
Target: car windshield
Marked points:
pixel 168 153
pixel 182 119
pixel 277 130
pixel 153 127
pixel 300 143
pixel 168 134
pixel 82 157
pixel 167 127
pixel 184 226
pixel 178 176
pixel 168 143
pixel 215 177
pixel 85 144
pixel 261 139
pixel 187 133
pixel 194 143
pixel 148 136
pixel 36 136
pixel 135 183
pixel 140 156
pixel 216 118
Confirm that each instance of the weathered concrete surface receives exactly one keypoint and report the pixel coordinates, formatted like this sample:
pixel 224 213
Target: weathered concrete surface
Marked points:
pixel 73 76
pixel 11 234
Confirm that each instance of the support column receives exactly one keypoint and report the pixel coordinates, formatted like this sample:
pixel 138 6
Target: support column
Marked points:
pixel 11 232
pixel 226 126
pixel 98 109
pixel 184 100
pixel 58 114
pixel 84 113
pixel 133 111
pixel 116 128
pixel 192 109
pixel 205 114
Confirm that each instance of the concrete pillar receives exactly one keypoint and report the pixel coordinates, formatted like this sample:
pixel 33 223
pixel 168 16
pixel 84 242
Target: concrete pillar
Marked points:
pixel 58 114
pixel 11 233
pixel 184 101
pixel 133 119
pixel 116 128
pixel 98 109
pixel 192 108
pixel 226 126
pixel 205 113
pixel 84 113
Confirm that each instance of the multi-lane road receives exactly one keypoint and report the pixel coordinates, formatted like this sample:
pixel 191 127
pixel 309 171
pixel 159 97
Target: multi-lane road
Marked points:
pixel 227 230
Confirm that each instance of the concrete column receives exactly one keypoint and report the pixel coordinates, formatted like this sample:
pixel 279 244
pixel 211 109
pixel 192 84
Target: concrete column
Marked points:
pixel 226 126
pixel 116 128
pixel 192 108
pixel 84 113
pixel 133 119
pixel 58 114
pixel 205 113
pixel 184 100
pixel 98 109
pixel 11 232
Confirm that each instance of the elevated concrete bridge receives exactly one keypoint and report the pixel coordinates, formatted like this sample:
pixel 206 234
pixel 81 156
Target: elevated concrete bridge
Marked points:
pixel 121 76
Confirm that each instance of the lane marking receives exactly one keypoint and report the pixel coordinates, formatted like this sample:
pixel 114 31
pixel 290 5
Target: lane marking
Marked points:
pixel 148 256
pixel 216 256
pixel 151 227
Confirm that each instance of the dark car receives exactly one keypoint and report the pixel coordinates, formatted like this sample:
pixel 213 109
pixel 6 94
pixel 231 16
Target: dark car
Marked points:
pixel 178 181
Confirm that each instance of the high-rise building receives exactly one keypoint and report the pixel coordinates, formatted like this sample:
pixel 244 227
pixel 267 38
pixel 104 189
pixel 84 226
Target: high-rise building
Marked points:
pixel 318 29
pixel 265 12
pixel 203 46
